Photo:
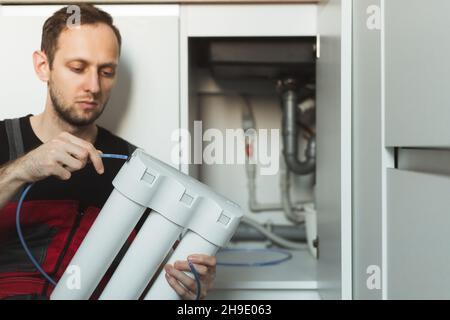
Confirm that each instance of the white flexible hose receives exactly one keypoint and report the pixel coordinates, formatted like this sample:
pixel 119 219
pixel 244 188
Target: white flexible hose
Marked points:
pixel 273 237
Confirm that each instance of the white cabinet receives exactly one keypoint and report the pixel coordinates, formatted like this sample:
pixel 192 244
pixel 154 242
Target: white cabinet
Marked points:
pixel 250 20
pixel 416 103
pixel 417 73
pixel 418 221
pixel 332 273
pixel 334 150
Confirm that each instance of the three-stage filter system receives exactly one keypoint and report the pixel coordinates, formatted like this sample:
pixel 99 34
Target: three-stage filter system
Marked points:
pixel 181 206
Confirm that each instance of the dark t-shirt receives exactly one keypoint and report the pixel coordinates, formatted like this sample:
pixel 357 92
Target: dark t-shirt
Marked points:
pixel 85 185
pixel 54 230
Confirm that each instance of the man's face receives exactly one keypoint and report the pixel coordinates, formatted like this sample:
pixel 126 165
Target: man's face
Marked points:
pixel 83 72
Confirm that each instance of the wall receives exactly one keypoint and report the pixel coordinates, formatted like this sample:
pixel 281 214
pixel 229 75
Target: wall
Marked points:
pixel 147 76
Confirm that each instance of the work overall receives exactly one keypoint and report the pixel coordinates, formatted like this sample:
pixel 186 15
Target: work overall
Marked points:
pixel 53 230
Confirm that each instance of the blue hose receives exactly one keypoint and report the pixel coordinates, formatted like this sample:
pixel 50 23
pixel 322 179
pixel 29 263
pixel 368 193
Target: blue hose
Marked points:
pixel 197 280
pixel 114 156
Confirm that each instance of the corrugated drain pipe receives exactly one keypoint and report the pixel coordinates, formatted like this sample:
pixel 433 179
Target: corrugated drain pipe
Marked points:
pixel 288 91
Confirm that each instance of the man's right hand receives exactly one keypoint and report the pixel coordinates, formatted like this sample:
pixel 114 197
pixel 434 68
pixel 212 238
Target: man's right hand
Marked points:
pixel 58 157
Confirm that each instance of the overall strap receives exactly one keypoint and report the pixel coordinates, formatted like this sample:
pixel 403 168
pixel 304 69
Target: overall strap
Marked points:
pixel 15 141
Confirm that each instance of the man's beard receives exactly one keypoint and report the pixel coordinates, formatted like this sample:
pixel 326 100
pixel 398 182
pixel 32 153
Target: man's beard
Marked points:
pixel 69 114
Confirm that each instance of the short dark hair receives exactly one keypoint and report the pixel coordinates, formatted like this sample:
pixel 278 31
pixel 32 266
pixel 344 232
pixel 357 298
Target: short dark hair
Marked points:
pixel 57 23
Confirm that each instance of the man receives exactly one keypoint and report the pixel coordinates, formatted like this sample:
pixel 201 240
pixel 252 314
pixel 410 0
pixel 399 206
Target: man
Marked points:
pixel 61 148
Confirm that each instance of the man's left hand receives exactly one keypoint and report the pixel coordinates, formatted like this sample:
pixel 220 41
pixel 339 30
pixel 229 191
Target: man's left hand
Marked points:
pixel 184 285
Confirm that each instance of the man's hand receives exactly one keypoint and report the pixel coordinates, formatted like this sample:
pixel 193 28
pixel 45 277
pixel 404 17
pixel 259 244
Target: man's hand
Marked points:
pixel 58 157
pixel 183 284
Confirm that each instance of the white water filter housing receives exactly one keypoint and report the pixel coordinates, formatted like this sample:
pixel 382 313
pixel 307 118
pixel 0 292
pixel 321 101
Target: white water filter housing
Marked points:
pixel 178 202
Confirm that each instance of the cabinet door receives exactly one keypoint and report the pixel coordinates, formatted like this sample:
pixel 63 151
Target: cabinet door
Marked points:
pixel 417 73
pixel 333 193
pixel 144 105
pixel 418 219
pixel 366 114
